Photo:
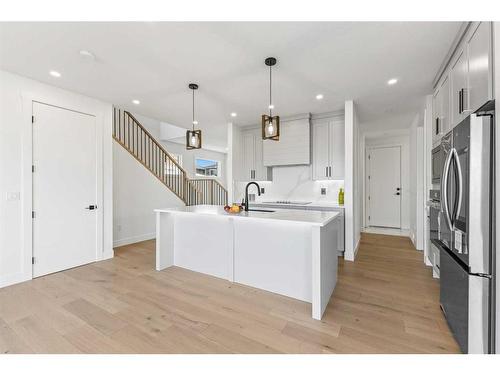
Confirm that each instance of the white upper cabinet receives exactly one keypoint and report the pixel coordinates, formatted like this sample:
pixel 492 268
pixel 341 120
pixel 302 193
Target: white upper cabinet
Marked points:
pixel 458 74
pixel 328 149
pixel 480 66
pixel 293 147
pixel 471 73
pixel 321 150
pixel 252 168
pixel 441 111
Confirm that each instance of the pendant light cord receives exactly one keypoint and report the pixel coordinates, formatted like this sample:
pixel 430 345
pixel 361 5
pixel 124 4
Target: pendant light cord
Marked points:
pixel 270 91
pixel 193 111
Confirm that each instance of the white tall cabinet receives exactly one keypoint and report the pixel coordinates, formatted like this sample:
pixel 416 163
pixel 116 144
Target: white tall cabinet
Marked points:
pixel 252 168
pixel 328 148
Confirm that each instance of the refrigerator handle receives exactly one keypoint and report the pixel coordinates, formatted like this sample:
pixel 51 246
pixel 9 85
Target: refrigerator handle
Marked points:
pixel 444 190
pixel 460 183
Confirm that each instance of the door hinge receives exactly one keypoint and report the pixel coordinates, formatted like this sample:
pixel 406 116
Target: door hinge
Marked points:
pixel 32 260
pixel 32 119
pixel 33 214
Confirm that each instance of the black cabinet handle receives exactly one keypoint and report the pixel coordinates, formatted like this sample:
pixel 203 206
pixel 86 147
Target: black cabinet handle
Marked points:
pixel 91 207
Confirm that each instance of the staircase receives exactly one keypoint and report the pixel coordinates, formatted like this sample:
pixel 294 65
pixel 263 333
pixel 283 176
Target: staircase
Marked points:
pixel 134 138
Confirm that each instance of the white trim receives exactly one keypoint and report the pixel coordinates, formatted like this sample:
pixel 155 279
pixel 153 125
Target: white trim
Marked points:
pixel 134 239
pixel 356 248
pixel 27 175
pixel 388 231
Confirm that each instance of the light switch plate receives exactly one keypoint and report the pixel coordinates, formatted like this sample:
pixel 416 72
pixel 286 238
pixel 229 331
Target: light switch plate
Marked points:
pixel 323 191
pixel 13 196
pixel 262 190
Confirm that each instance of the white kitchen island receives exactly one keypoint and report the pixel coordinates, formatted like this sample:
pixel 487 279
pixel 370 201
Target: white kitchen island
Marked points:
pixel 289 252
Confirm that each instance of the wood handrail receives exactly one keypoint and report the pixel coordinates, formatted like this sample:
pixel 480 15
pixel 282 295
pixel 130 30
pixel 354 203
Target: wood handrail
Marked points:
pixel 152 138
pixel 141 144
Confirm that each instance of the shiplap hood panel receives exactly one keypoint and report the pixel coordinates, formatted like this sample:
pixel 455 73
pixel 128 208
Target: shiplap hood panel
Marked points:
pixel 294 145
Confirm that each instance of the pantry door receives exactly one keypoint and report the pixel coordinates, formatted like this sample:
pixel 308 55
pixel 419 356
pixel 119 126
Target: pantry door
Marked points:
pixel 384 186
pixel 64 189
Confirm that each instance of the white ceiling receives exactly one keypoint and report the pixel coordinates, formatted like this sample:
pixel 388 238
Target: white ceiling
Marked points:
pixel 154 62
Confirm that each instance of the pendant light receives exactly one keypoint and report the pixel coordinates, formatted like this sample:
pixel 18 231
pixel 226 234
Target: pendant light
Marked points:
pixel 270 124
pixel 193 137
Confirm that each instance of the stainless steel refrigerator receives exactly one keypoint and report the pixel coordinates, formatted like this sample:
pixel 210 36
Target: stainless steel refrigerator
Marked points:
pixel 466 232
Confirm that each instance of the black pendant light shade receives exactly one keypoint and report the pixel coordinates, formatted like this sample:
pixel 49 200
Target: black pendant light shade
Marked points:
pixel 193 137
pixel 270 123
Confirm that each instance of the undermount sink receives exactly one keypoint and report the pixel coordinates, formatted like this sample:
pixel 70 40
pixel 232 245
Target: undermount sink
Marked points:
pixel 260 210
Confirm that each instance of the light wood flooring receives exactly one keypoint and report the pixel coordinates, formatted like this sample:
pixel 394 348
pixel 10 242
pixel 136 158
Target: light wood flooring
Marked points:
pixel 385 302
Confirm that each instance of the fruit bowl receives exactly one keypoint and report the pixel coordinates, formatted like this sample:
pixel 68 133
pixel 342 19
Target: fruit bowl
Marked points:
pixel 234 209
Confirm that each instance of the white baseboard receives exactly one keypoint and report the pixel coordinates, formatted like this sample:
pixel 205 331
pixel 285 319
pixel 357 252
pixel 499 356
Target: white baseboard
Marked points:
pixel 133 239
pixel 13 279
pixel 356 248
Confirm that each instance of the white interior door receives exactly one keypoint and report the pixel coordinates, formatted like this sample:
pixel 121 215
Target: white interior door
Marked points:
pixel 384 186
pixel 64 186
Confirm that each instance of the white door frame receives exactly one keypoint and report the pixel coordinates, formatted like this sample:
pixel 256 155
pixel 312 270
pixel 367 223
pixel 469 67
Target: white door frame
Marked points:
pixel 367 183
pixel 27 174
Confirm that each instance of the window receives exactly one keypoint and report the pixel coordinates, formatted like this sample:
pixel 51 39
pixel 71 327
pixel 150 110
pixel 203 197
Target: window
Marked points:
pixel 206 167
pixel 171 168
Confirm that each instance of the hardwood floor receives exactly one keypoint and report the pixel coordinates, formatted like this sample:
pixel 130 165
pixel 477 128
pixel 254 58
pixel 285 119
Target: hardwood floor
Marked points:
pixel 385 302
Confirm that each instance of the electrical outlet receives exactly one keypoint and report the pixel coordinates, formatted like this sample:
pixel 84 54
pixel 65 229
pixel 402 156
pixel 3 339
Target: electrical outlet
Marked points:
pixel 323 191
pixel 262 190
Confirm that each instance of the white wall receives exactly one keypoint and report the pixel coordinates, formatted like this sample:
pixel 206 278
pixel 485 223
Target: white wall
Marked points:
pixel 15 145
pixel 352 198
pixel 137 192
pixel 417 181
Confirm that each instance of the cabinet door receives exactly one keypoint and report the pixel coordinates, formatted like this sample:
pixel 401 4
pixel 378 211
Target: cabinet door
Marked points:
pixel 436 113
pixel 337 149
pixel 321 150
pixel 459 85
pixel 480 88
pixel 444 113
pixel 248 156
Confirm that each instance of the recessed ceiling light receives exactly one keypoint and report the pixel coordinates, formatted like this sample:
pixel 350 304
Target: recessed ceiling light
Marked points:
pixel 135 101
pixel 319 96
pixel 53 73
pixel 392 81
pixel 234 114
pixel 87 55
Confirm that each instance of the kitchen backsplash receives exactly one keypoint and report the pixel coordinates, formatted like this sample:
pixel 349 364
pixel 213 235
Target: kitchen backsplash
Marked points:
pixel 292 183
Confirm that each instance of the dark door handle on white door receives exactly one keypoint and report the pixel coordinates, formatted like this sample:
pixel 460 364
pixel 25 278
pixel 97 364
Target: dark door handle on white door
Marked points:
pixel 91 207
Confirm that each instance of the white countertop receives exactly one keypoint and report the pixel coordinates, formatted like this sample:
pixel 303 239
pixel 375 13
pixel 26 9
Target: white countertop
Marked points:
pixel 308 205
pixel 319 218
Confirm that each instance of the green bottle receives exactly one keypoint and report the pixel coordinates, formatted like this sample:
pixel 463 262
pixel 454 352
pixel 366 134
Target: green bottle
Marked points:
pixel 341 196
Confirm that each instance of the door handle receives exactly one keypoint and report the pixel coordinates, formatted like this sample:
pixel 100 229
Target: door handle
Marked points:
pixel 330 171
pixel 460 93
pixel 444 190
pixel 326 171
pixel 460 180
pixel 91 207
